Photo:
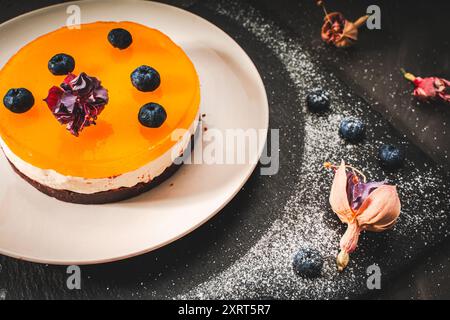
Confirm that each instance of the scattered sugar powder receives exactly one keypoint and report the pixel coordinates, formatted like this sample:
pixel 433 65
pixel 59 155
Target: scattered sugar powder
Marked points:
pixel 265 271
pixel 2 294
pixel 2 291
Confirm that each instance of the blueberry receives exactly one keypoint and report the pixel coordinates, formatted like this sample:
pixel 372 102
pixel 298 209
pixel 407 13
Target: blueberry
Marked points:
pixel 391 157
pixel 308 263
pixel 146 79
pixel 61 64
pixel 318 100
pixel 152 115
pixel 18 100
pixel 120 38
pixel 352 129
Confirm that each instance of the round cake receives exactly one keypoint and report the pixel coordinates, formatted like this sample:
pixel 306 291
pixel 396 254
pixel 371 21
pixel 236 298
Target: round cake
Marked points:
pixel 98 114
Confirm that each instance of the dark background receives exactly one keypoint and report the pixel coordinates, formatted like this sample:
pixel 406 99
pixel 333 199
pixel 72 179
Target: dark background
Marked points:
pixel 414 35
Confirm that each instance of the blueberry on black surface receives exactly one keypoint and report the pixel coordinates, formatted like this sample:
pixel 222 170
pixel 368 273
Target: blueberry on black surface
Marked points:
pixel 152 115
pixel 318 100
pixel 120 38
pixel 308 263
pixel 18 100
pixel 146 79
pixel 61 64
pixel 391 157
pixel 352 129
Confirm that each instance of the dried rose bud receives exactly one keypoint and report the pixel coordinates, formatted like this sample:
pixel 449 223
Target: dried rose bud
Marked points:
pixel 373 206
pixel 340 32
pixel 430 89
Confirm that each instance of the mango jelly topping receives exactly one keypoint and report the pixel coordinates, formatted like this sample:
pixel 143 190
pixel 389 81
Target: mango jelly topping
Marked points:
pixel 118 143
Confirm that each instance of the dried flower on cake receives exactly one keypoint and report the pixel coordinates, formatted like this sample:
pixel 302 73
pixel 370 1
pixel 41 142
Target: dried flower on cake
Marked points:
pixel 78 102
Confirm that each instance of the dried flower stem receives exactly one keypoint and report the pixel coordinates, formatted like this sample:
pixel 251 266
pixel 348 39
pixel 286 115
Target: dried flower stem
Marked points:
pixel 358 23
pixel 322 5
pixel 407 75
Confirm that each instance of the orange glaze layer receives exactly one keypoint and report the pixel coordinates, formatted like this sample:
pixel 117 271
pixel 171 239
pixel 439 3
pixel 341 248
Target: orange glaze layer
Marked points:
pixel 118 143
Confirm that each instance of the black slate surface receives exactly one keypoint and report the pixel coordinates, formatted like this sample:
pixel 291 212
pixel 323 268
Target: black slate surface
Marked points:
pixel 200 256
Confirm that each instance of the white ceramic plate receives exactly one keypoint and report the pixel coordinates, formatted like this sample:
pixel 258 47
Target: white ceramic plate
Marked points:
pixel 37 228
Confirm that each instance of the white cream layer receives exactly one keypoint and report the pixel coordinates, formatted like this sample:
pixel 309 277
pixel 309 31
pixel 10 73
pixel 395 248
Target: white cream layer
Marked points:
pixel 145 174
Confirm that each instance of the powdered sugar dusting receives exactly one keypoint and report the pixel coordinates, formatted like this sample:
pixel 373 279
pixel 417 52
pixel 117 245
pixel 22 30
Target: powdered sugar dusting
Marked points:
pixel 265 271
pixel 2 291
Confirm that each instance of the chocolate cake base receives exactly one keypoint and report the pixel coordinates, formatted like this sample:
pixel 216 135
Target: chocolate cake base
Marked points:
pixel 104 197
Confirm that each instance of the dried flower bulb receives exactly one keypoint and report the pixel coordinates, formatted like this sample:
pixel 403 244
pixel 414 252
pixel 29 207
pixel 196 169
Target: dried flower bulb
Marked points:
pixel 340 32
pixel 429 89
pixel 363 206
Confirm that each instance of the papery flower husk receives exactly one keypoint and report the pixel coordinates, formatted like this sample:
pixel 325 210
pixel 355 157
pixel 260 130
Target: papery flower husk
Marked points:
pixel 377 213
pixel 340 32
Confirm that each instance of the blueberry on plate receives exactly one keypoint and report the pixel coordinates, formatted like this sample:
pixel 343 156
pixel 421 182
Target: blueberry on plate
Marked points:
pixel 120 38
pixel 61 64
pixel 152 115
pixel 391 157
pixel 352 130
pixel 308 263
pixel 318 100
pixel 18 100
pixel 146 79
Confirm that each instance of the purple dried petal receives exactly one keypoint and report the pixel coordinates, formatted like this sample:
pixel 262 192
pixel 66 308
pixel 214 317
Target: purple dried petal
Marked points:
pixel 357 193
pixel 78 103
pixel 101 93
pixel 362 191
pixel 68 100
pixel 350 186
pixel 83 85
